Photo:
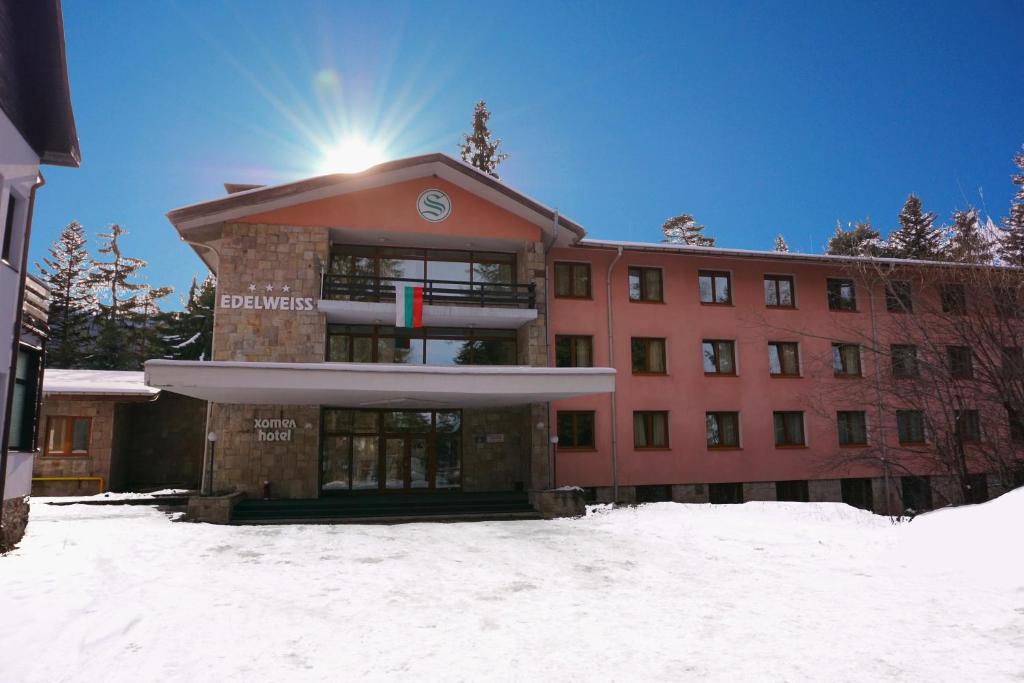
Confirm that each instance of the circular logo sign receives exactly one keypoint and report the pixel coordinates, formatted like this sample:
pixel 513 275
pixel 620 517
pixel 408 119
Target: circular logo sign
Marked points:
pixel 434 205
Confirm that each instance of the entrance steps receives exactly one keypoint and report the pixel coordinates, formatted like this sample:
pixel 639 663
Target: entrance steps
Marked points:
pixel 373 508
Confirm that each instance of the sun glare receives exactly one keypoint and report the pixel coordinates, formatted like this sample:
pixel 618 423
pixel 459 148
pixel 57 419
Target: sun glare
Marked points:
pixel 350 155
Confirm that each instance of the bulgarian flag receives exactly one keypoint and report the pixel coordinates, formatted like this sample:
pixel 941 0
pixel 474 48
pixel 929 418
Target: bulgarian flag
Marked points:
pixel 408 306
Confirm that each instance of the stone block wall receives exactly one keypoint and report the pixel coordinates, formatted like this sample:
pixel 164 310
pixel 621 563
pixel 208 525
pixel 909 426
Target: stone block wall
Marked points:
pixel 166 443
pixel 690 493
pixel 13 523
pixel 500 466
pixel 758 490
pixel 101 460
pixel 825 490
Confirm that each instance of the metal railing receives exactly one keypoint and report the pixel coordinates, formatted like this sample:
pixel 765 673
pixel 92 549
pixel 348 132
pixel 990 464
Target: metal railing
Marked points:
pixel 435 292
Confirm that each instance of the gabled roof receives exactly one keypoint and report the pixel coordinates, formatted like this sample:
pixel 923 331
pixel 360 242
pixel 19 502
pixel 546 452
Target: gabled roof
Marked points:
pixel 259 199
pixel 34 90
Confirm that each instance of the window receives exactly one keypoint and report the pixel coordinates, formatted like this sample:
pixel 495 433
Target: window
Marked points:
pixel 572 280
pixel 852 425
pixel 778 291
pixel 715 287
pixel 977 488
pixel 725 494
pixel 645 284
pixel 420 346
pixel 723 430
pixel 783 359
pixel 576 429
pixel 793 491
pixel 650 429
pixel 904 360
pixel 961 365
pixel 23 403
pixel 968 425
pixel 648 355
pixel 954 298
pixel 789 429
pixel 858 493
pixel 1013 361
pixel 841 295
pixel 719 357
pixel 8 228
pixel 1006 302
pixel 1016 425
pixel 574 351
pixel 67 435
pixel 846 359
pixel 898 297
pixel 916 493
pixel 654 494
pixel 910 426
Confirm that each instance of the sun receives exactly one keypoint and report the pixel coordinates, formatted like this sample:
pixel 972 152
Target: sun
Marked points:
pixel 350 155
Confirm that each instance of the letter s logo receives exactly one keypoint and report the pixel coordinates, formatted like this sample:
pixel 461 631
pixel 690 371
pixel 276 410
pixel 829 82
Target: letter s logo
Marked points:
pixel 434 205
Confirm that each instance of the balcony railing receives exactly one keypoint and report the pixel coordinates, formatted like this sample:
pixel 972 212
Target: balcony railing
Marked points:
pixel 435 292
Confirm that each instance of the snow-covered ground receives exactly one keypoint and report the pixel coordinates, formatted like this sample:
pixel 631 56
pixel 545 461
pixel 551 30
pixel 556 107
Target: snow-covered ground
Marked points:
pixel 762 591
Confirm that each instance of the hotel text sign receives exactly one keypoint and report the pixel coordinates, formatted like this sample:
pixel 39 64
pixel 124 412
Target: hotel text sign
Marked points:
pixel 268 301
pixel 273 429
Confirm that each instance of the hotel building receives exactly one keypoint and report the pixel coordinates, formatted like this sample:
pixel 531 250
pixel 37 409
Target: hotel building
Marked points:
pixel 546 359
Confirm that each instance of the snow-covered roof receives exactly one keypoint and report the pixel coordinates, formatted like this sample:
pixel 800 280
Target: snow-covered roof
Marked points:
pixel 92 382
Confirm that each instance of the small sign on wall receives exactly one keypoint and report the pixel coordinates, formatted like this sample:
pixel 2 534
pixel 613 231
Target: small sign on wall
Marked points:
pixel 495 438
pixel 273 429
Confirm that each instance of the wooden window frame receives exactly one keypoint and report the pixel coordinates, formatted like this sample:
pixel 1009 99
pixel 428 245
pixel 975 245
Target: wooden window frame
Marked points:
pixel 723 447
pixel 843 415
pixel 898 371
pixel 573 355
pixel 647 416
pixel 901 414
pixel 644 295
pixel 718 358
pixel 860 362
pixel 835 301
pixel 953 304
pixel 714 288
pixel 897 301
pixel 67 441
pixel 954 372
pixel 788 442
pixel 977 436
pixel 775 280
pixel 572 265
pixel 576 414
pixel 647 343
pixel 780 344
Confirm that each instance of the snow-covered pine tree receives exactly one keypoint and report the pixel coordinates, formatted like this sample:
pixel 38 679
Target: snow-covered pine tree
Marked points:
pixel 190 335
pixel 66 272
pixel 1011 244
pixel 780 244
pixel 916 238
pixel 682 229
pixel 859 240
pixel 477 148
pixel 149 325
pixel 117 299
pixel 967 244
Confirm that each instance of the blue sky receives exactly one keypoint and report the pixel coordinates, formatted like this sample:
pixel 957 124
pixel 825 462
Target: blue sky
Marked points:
pixel 757 118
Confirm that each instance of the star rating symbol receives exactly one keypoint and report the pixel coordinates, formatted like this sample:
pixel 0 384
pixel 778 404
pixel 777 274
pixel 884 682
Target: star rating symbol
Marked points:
pixel 286 289
pixel 252 287
pixel 269 288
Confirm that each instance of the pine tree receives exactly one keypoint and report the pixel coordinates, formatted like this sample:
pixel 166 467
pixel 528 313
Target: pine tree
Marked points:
pixel 916 238
pixel 967 244
pixel 190 335
pixel 118 300
pixel 859 240
pixel 780 244
pixel 149 325
pixel 66 273
pixel 682 229
pixel 1011 246
pixel 477 148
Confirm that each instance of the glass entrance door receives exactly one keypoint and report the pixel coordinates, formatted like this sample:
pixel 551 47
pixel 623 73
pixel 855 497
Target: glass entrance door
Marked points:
pixel 407 462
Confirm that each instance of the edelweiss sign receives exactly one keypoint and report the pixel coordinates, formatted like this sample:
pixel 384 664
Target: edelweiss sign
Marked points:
pixel 268 301
pixel 273 429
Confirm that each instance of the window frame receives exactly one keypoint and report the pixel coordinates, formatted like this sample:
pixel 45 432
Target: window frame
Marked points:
pixel 906 414
pixel 835 299
pixel 647 343
pixel 898 371
pixel 717 358
pixel 976 435
pixel 775 279
pixel 723 446
pixel 573 340
pixel 842 415
pixel 647 416
pixel 572 266
pixel 67 439
pixel 576 414
pixel 644 295
pixel 899 301
pixel 713 274
pixel 955 304
pixel 954 372
pixel 788 443
pixel 860 361
pixel 795 345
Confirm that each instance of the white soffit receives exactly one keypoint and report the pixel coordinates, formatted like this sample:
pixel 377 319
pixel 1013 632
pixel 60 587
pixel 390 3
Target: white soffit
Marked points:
pixel 363 385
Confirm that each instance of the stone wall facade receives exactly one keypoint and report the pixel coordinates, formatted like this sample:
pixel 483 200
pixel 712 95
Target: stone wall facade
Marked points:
pixel 102 459
pixel 166 442
pixel 13 523
pixel 489 465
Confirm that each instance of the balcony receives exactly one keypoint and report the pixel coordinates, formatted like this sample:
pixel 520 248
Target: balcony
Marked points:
pixel 366 299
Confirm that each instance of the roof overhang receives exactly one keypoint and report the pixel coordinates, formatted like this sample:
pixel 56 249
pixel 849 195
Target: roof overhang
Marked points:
pixel 373 385
pixel 112 385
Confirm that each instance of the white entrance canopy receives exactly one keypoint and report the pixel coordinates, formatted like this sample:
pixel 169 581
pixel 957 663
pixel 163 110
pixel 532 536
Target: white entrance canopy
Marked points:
pixel 375 385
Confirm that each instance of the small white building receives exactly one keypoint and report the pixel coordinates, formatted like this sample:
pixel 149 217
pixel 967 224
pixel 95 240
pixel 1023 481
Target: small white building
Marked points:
pixel 37 126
